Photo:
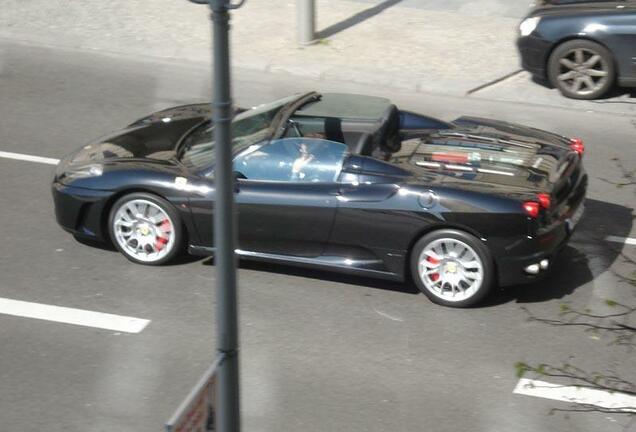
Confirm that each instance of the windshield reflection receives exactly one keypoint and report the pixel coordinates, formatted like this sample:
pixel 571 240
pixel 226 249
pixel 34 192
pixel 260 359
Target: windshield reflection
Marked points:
pixel 249 127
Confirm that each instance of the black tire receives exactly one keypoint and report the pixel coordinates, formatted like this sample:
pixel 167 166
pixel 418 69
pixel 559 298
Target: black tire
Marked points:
pixel 567 51
pixel 175 246
pixel 474 292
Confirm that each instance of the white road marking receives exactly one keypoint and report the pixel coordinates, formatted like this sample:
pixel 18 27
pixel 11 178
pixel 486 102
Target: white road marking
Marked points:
pixel 29 158
pixel 578 395
pixel 72 316
pixel 625 240
pixel 386 315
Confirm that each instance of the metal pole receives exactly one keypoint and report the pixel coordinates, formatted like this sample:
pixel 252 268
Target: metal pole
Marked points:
pixel 306 22
pixel 228 413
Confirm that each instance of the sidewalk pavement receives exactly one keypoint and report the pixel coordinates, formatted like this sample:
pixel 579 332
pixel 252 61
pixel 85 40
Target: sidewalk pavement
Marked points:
pixel 387 44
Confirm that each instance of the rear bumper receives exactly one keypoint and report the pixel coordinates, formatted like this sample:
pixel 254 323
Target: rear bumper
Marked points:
pixel 545 245
pixel 511 269
pixel 79 211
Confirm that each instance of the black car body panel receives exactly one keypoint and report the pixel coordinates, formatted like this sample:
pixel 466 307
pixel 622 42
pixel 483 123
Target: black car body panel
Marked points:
pixel 404 175
pixel 611 24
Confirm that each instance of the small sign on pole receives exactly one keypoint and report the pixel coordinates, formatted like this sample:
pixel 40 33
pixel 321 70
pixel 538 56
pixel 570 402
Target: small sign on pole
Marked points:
pixel 197 412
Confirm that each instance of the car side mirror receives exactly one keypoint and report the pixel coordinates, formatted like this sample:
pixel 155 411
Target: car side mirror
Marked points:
pixel 239 175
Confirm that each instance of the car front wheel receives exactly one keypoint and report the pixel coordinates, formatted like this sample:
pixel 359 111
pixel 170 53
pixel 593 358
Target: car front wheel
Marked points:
pixel 145 228
pixel 452 268
pixel 581 69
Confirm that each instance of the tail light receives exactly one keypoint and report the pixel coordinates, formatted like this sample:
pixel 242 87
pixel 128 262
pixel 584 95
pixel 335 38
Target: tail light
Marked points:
pixel 544 200
pixel 577 145
pixel 532 208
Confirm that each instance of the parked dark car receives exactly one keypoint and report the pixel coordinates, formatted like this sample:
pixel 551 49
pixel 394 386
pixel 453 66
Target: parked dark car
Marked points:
pixel 347 183
pixel 583 48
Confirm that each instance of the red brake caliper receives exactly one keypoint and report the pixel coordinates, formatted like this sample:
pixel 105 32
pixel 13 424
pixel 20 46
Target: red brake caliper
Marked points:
pixel 160 242
pixel 434 276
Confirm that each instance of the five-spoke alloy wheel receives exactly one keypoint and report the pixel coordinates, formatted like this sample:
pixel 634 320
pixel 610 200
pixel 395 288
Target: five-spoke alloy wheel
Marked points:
pixel 581 69
pixel 145 228
pixel 452 268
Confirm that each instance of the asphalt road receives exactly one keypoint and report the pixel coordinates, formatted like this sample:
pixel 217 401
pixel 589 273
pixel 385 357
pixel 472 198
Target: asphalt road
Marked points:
pixel 320 352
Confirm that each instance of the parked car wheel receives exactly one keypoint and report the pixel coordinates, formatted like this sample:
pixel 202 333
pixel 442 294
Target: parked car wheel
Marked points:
pixel 145 228
pixel 581 69
pixel 452 268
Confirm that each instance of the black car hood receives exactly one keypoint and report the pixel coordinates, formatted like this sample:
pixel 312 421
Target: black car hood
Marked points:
pixel 151 137
pixel 181 112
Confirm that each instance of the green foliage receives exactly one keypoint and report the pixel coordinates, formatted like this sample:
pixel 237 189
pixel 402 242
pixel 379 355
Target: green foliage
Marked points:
pixel 521 368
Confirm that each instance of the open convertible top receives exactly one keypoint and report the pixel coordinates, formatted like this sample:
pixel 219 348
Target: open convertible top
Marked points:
pixel 346 106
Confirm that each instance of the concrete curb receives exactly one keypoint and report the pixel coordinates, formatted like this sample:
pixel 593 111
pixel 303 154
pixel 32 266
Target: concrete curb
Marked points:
pixel 492 90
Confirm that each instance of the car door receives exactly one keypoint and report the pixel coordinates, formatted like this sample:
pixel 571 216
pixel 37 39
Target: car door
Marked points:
pixel 286 197
pixel 377 216
pixel 285 218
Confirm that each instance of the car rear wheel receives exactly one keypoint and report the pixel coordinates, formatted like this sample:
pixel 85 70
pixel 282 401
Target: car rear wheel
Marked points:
pixel 145 228
pixel 581 69
pixel 452 268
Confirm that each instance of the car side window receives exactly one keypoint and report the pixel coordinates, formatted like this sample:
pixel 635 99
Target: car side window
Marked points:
pixel 307 160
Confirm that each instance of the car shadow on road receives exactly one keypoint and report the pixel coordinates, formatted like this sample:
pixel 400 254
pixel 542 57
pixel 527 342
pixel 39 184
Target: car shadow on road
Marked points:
pixel 624 95
pixel 327 276
pixel 617 95
pixel 180 259
pixel 587 256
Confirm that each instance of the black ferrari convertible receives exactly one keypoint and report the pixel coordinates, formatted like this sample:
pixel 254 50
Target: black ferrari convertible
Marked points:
pixel 347 183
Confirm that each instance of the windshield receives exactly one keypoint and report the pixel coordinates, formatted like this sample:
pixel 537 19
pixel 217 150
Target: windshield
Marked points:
pixel 249 127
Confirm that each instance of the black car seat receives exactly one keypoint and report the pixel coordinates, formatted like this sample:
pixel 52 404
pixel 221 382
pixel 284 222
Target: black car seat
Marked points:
pixel 333 129
pixel 364 145
pixel 387 137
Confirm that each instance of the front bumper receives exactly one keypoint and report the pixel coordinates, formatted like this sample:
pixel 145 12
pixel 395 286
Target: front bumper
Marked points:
pixel 534 52
pixel 79 211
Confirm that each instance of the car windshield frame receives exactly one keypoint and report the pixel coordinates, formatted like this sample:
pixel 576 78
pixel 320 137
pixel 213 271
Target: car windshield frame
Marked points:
pixel 202 135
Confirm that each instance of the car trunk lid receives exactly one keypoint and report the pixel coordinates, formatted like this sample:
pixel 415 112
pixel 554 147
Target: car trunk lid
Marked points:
pixel 498 157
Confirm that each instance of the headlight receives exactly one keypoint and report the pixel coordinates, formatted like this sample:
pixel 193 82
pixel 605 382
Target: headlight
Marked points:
pixel 528 25
pixel 71 173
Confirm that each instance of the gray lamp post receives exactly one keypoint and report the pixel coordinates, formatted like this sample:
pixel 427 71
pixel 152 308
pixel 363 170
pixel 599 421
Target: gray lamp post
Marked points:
pixel 227 396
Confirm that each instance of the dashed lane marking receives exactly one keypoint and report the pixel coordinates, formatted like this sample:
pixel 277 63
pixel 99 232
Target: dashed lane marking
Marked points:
pixel 72 316
pixel 625 240
pixel 29 158
pixel 386 315
pixel 578 395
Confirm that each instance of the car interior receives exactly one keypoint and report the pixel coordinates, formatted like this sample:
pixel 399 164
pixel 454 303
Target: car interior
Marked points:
pixel 379 138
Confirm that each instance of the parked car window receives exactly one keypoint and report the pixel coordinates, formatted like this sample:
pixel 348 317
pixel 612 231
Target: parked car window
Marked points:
pixel 293 160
